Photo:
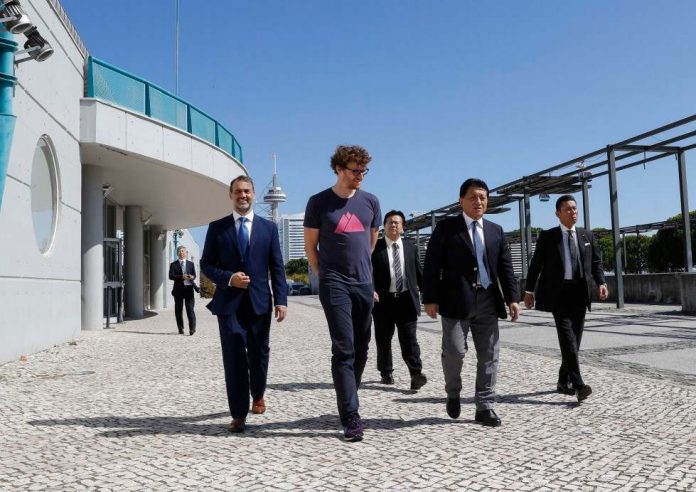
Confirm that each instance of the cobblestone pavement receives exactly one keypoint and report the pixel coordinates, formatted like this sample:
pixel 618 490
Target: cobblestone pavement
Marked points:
pixel 140 407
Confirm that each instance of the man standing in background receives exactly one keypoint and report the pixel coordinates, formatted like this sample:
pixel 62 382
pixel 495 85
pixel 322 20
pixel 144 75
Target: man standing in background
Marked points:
pixel 183 273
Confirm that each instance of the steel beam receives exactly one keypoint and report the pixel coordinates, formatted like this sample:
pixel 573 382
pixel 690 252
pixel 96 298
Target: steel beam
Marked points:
pixel 585 204
pixel 615 229
pixel 684 196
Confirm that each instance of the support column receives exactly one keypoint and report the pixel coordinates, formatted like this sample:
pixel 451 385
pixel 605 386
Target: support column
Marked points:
pixel 92 248
pixel 684 197
pixel 158 268
pixel 133 250
pixel 586 204
pixel 615 228
pixel 523 240
pixel 527 226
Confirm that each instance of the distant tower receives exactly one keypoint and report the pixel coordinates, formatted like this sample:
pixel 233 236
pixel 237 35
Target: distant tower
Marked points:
pixel 275 196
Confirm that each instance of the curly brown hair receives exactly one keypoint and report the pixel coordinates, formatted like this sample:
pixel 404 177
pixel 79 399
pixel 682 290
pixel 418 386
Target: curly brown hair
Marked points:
pixel 345 154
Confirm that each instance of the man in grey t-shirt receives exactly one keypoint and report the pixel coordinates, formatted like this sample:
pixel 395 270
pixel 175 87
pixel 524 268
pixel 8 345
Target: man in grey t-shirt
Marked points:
pixel 340 232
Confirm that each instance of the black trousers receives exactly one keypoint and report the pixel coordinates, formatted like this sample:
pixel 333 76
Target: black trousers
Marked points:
pixel 179 302
pixel 348 311
pixel 244 338
pixel 570 320
pixel 392 313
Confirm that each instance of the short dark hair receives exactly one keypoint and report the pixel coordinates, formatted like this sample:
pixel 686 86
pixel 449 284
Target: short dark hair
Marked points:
pixel 245 179
pixel 394 212
pixel 472 183
pixel 564 198
pixel 345 154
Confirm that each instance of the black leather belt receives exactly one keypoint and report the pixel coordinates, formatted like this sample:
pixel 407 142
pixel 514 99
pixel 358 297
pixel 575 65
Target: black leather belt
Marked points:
pixel 396 295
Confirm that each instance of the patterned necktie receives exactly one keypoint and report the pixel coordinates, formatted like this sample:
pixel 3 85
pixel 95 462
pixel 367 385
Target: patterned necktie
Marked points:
pixel 398 275
pixel 478 251
pixel 574 264
pixel 243 237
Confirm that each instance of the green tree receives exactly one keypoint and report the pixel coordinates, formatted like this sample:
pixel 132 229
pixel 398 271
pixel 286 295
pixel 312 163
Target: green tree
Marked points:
pixel 298 266
pixel 666 251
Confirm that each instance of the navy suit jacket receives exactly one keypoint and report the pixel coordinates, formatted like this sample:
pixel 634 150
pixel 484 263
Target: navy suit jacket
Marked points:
pixel 221 258
pixel 546 270
pixel 449 274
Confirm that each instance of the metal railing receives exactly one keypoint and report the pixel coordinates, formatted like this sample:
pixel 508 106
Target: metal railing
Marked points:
pixel 109 83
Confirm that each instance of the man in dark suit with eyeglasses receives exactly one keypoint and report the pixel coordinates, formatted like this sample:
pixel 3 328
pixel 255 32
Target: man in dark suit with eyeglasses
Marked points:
pixel 565 260
pixel 397 277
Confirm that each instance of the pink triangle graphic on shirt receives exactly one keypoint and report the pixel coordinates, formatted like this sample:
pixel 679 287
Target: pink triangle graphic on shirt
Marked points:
pixel 349 223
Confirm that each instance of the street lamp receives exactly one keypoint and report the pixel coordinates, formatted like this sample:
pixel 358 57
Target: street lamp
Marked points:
pixel 176 234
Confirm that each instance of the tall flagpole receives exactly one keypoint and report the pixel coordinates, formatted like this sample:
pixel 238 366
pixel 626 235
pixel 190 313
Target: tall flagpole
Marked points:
pixel 176 91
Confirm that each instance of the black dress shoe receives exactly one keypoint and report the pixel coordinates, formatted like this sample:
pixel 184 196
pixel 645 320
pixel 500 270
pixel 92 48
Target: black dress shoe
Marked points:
pixel 238 425
pixel 583 392
pixel 454 407
pixel 181 331
pixel 192 332
pixel 565 389
pixel 418 381
pixel 487 417
pixel 387 379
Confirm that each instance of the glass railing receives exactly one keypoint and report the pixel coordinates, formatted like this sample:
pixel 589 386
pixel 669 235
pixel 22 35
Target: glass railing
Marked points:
pixel 117 86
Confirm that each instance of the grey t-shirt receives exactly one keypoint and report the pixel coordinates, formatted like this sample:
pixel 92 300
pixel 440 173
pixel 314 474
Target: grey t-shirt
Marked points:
pixel 345 229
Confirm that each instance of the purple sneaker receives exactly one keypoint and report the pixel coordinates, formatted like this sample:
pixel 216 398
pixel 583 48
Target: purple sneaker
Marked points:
pixel 353 431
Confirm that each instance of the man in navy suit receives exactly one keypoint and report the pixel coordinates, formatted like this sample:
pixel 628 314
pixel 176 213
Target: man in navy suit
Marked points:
pixel 240 252
pixel 183 273
pixel 565 259
pixel 468 279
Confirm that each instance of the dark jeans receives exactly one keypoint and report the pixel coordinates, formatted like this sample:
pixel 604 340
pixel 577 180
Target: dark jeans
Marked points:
pixel 179 302
pixel 390 313
pixel 348 312
pixel 570 320
pixel 244 337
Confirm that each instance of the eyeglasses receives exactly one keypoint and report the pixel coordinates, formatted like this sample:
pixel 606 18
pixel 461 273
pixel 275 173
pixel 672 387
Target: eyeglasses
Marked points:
pixel 357 172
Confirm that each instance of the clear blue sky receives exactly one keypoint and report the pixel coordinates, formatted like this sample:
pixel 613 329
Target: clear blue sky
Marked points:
pixel 437 91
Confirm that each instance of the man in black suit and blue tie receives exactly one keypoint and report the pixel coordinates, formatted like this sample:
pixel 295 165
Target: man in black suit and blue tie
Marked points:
pixel 468 279
pixel 240 252
pixel 183 273
pixel 565 259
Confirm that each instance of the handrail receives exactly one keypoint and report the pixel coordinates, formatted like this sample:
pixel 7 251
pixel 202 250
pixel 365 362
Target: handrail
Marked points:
pixel 113 84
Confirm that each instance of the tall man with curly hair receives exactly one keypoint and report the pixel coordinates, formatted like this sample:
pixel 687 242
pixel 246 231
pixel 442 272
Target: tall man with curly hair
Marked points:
pixel 340 232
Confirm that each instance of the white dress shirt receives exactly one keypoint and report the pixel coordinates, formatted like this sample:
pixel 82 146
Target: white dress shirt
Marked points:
pixel 567 267
pixel 390 253
pixel 479 229
pixel 249 223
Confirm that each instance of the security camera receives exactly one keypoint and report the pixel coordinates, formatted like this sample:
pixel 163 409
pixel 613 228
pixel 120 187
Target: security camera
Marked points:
pixel 13 16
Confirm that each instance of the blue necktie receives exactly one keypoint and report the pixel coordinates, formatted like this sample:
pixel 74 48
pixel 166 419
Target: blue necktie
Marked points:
pixel 478 251
pixel 243 237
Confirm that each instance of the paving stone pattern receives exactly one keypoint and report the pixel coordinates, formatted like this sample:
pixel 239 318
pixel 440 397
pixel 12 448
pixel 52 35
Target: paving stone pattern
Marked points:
pixel 140 407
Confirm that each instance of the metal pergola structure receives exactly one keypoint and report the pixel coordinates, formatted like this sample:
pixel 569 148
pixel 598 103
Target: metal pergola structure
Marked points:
pixel 574 175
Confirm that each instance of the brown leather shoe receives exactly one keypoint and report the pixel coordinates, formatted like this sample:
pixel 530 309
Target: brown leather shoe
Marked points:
pixel 237 425
pixel 258 407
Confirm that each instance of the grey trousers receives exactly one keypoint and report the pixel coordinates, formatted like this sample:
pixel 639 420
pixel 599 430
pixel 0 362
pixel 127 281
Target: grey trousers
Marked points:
pixel 483 323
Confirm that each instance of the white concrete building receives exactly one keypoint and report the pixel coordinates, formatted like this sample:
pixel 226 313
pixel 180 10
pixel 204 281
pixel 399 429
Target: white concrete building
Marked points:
pixel 98 170
pixel 292 237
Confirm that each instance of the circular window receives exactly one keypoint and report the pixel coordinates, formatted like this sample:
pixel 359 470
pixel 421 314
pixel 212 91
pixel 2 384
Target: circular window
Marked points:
pixel 44 193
